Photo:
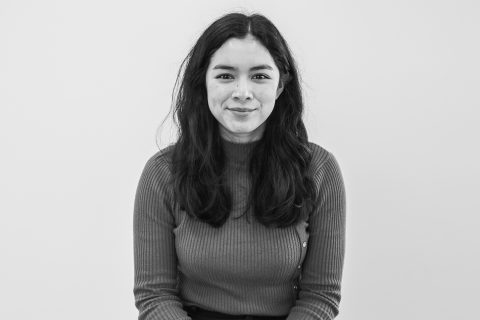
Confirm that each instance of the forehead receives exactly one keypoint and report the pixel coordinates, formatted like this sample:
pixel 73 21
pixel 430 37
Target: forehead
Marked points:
pixel 242 52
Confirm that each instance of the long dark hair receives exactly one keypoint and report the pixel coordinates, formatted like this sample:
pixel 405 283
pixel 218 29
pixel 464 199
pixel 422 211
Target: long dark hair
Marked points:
pixel 282 188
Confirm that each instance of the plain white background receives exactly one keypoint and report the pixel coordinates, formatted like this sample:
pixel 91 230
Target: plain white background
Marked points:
pixel 391 89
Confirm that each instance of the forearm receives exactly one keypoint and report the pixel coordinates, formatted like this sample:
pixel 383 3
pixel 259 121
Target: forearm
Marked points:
pixel 158 304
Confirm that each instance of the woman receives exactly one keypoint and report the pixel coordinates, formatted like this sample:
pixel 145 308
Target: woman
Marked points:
pixel 242 218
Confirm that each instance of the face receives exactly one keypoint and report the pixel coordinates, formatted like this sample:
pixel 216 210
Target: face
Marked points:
pixel 242 83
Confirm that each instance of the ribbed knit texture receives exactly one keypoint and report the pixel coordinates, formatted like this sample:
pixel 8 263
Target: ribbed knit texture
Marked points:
pixel 242 267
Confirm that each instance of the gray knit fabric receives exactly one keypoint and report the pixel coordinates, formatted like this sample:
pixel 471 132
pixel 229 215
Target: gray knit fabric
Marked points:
pixel 242 267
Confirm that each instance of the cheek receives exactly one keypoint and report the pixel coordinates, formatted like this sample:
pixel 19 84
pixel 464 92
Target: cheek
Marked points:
pixel 216 94
pixel 267 95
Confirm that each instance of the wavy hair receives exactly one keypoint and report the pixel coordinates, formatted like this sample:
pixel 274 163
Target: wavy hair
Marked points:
pixel 282 189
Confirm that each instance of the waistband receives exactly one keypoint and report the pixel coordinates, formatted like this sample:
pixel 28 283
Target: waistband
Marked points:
pixel 197 313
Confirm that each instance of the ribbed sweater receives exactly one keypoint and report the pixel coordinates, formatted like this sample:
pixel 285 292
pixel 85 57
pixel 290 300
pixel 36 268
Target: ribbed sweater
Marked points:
pixel 243 267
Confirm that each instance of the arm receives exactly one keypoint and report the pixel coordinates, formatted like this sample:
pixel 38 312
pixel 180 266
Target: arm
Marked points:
pixel 155 285
pixel 320 282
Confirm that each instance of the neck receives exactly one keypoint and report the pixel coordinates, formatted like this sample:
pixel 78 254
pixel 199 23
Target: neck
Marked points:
pixel 238 152
pixel 242 137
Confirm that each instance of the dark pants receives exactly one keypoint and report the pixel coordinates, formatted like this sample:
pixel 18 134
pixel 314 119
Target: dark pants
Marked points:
pixel 200 314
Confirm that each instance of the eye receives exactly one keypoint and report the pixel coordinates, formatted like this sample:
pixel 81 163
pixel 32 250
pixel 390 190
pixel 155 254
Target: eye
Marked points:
pixel 224 76
pixel 260 76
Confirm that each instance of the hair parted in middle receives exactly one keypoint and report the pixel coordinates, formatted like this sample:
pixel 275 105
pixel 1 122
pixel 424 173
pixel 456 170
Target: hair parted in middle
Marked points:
pixel 282 188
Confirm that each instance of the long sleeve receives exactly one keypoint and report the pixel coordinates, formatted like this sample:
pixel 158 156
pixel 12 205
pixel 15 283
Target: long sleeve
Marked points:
pixel 320 283
pixel 155 277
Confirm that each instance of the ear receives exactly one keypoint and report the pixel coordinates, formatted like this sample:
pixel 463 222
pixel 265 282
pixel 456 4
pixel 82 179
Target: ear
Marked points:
pixel 279 89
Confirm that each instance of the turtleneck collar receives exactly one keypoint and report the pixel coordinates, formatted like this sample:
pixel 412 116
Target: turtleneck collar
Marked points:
pixel 238 152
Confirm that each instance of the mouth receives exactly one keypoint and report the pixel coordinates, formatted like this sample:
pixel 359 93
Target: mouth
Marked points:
pixel 241 109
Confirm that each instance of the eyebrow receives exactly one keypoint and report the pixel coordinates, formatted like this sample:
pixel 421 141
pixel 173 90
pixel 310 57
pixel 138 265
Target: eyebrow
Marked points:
pixel 260 67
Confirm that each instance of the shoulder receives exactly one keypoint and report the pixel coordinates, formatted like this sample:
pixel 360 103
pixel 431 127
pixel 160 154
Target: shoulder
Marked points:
pixel 161 158
pixel 158 166
pixel 324 164
pixel 320 156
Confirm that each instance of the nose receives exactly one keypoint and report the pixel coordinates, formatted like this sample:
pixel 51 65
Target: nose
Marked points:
pixel 242 91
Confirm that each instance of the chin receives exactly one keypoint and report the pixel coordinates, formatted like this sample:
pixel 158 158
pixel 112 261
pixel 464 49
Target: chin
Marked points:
pixel 242 129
